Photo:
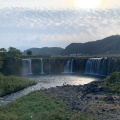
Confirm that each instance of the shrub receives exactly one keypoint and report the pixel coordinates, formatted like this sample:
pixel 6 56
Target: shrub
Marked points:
pixel 113 81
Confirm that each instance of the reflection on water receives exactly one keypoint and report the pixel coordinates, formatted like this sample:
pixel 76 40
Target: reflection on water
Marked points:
pixel 59 80
pixel 47 81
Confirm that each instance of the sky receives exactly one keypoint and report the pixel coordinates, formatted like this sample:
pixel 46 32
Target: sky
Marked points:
pixel 56 23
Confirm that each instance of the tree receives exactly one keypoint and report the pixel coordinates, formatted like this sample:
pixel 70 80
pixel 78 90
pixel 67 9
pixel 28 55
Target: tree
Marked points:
pixel 3 50
pixel 29 52
pixel 14 52
pixel 1 61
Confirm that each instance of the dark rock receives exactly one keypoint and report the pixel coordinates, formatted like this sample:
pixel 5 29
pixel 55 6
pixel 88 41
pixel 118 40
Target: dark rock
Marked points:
pixel 106 90
pixel 94 89
pixel 89 97
pixel 109 98
pixel 103 110
pixel 84 88
pixel 93 84
pixel 96 98
pixel 112 110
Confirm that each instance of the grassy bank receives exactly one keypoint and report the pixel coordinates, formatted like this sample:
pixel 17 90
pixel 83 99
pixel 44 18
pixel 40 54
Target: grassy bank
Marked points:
pixel 36 106
pixel 10 84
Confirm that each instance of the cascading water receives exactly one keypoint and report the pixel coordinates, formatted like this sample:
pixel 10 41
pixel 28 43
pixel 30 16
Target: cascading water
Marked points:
pixel 109 67
pixel 93 66
pixel 27 67
pixel 68 68
pixel 98 66
pixel 49 66
pixel 71 66
pixel 42 72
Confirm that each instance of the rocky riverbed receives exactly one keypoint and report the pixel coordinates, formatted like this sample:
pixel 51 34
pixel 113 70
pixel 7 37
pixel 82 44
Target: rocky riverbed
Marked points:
pixel 90 99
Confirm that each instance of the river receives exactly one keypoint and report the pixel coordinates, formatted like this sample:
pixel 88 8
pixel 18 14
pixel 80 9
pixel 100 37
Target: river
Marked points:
pixel 47 81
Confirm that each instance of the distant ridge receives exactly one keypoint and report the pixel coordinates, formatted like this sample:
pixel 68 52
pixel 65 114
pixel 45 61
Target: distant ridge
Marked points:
pixel 108 45
pixel 45 51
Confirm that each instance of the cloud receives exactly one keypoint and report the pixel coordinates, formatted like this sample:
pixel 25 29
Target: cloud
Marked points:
pixel 37 4
pixel 39 28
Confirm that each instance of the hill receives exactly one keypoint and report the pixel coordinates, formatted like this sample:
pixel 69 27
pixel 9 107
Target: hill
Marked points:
pixel 45 51
pixel 109 45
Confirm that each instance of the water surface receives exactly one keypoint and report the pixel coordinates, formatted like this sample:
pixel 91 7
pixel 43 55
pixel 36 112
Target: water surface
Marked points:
pixel 47 81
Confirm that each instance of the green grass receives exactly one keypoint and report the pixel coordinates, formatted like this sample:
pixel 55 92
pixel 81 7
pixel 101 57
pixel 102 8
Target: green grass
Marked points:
pixel 36 106
pixel 10 84
pixel 113 81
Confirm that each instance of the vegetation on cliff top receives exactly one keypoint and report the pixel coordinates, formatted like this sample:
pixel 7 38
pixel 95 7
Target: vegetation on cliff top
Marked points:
pixel 10 84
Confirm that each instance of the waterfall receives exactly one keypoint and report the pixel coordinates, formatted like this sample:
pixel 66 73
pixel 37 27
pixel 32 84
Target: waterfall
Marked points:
pixel 30 70
pixel 27 66
pixel 71 66
pixel 98 66
pixel 110 66
pixel 42 72
pixel 93 66
pixel 68 68
pixel 49 66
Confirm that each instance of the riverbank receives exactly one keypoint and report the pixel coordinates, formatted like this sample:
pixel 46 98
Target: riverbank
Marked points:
pixel 37 106
pixel 91 99
pixel 48 81
pixel 11 84
pixel 67 102
pixel 99 100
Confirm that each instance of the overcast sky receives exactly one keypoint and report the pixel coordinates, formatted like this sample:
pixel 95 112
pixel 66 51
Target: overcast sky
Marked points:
pixel 56 23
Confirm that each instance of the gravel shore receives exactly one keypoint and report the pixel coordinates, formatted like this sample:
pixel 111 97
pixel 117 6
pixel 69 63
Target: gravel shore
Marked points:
pixel 91 99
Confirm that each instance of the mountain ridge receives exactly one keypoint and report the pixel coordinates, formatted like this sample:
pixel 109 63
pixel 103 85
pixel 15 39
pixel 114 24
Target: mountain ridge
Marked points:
pixel 108 45
pixel 45 51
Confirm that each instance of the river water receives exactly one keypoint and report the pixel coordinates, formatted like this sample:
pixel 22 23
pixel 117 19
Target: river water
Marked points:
pixel 47 81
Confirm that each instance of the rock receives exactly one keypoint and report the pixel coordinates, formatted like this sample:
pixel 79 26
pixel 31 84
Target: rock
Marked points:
pixel 103 110
pixel 89 97
pixel 93 85
pixel 96 98
pixel 94 89
pixel 113 110
pixel 109 98
pixel 84 88
pixel 106 90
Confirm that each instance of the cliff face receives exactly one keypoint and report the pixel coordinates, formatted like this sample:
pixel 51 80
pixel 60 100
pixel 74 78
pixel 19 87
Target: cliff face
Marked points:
pixel 53 65
pixel 109 45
